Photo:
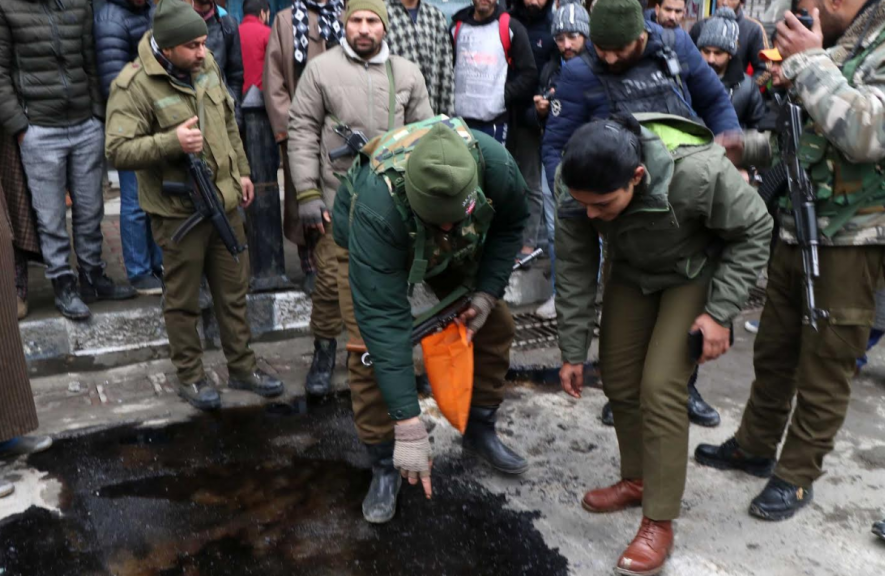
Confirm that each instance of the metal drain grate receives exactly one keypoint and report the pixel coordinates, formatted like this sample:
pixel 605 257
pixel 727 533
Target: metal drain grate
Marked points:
pixel 533 332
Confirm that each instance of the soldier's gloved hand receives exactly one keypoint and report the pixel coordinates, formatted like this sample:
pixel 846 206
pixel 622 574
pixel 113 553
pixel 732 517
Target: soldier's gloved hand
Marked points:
pixel 477 313
pixel 313 214
pixel 411 452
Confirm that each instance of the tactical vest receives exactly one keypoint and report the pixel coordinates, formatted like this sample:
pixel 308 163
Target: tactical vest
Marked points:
pixel 843 188
pixel 654 84
pixel 433 250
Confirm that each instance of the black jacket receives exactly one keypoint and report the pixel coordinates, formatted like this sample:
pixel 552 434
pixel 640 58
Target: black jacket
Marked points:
pixel 47 64
pixel 745 95
pixel 119 27
pixel 547 80
pixel 224 41
pixel 538 29
pixel 751 40
pixel 522 76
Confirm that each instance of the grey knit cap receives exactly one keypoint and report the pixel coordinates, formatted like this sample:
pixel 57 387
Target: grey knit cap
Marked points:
pixel 571 18
pixel 721 31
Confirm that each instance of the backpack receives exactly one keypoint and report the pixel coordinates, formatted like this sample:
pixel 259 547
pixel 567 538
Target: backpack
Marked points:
pixel 387 155
pixel 503 32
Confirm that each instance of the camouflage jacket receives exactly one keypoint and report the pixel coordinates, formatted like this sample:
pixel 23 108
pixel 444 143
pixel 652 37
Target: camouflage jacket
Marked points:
pixel 851 117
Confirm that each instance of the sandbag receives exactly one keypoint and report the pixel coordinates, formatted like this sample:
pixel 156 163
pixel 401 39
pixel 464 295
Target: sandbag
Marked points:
pixel 448 361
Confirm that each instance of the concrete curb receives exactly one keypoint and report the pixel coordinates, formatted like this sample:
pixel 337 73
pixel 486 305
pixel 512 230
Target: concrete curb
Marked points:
pixel 140 327
pixel 134 331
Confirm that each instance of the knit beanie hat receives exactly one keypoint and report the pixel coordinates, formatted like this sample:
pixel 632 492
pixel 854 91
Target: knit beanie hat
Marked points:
pixel 616 23
pixel 441 177
pixel 376 6
pixel 571 18
pixel 177 23
pixel 721 31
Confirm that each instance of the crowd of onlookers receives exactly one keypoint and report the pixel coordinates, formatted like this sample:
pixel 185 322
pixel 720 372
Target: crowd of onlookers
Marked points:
pixel 59 66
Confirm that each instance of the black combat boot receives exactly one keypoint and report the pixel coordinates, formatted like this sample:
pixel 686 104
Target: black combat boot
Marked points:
pixel 202 395
pixel 780 500
pixel 95 285
pixel 728 456
pixel 481 439
pixel 879 529
pixel 608 417
pixel 379 505
pixel 699 412
pixel 319 379
pixel 67 300
pixel 259 382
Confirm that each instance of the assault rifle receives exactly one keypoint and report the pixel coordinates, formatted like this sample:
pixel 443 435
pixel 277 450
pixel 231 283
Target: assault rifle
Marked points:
pixel 789 177
pixel 207 205
pixel 354 140
pixel 438 322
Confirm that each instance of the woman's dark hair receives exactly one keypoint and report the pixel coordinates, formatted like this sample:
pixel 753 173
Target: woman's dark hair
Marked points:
pixel 255 7
pixel 602 156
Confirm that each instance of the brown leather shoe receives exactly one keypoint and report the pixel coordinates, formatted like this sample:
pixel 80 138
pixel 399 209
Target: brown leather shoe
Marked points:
pixel 622 495
pixel 648 552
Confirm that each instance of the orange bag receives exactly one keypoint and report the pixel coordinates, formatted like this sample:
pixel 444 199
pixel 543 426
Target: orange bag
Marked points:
pixel 448 360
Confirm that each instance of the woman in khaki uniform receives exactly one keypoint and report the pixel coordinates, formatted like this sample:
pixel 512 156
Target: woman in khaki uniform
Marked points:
pixel 687 238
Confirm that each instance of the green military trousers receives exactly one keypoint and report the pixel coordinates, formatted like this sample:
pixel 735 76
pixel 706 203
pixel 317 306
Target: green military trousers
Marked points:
pixel 184 264
pixel 491 356
pixel 644 363
pixel 792 360
pixel 325 316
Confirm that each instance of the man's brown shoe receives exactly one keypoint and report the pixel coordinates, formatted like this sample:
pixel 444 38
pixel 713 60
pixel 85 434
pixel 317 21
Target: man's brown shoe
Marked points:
pixel 648 552
pixel 622 495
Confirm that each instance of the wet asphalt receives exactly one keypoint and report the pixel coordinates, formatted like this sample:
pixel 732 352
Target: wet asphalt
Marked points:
pixel 270 490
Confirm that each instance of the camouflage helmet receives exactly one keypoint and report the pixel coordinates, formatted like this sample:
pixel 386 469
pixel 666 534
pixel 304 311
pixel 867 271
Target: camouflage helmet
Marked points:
pixel 440 177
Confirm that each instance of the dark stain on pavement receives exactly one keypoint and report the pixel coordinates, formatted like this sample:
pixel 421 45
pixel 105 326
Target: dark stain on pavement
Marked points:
pixel 269 492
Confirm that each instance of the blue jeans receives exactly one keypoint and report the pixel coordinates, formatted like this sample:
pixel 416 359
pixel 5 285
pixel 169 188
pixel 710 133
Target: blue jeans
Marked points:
pixel 497 131
pixel 549 224
pixel 140 254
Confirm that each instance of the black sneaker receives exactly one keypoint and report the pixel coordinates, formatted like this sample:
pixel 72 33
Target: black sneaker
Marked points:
pixel 780 500
pixel 67 300
pixel 259 382
pixel 147 285
pixel 728 456
pixel 201 395
pixel 95 285
pixel 607 416
pixel 879 529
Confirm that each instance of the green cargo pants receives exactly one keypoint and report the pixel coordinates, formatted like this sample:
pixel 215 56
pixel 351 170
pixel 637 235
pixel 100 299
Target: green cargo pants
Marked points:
pixel 792 360
pixel 644 363
pixel 491 358
pixel 184 264
pixel 325 316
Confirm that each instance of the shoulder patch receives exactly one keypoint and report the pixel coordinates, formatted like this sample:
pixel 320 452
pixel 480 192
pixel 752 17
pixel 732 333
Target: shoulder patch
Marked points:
pixel 124 78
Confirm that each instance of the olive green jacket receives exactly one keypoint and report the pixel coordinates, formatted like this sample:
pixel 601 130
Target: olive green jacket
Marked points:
pixel 146 107
pixel 693 219
pixel 381 255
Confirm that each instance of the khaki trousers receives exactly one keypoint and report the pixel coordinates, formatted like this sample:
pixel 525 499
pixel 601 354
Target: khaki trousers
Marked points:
pixel 491 354
pixel 325 317
pixel 184 264
pixel 644 363
pixel 792 360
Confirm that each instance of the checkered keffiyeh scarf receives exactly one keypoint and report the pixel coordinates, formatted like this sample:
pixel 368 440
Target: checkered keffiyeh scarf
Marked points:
pixel 330 27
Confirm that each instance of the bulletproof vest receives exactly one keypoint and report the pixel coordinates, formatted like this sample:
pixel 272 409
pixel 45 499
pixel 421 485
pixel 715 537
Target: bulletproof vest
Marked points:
pixel 654 84
pixel 843 188
pixel 433 250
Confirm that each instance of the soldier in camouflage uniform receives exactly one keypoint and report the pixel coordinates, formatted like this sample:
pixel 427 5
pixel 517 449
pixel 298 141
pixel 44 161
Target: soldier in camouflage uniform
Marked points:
pixel 436 201
pixel 836 74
